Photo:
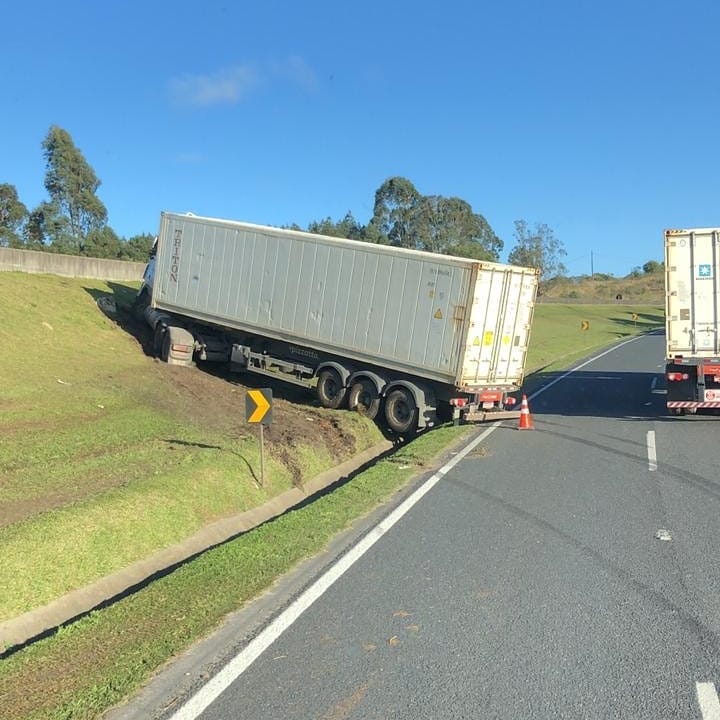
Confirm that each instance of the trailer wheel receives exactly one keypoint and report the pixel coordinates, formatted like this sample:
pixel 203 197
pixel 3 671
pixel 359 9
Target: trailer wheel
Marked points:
pixel 364 398
pixel 158 337
pixel 330 389
pixel 139 305
pixel 165 347
pixel 401 413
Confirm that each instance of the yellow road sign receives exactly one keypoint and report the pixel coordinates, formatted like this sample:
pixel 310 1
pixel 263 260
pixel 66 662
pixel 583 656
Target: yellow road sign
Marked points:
pixel 585 325
pixel 635 317
pixel 258 406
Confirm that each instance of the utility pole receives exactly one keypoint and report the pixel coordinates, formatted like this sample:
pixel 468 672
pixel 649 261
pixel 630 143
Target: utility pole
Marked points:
pixel 592 265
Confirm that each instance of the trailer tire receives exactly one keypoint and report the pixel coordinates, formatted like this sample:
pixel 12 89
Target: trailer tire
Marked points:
pixel 330 389
pixel 401 412
pixel 159 335
pixel 365 399
pixel 139 305
pixel 165 347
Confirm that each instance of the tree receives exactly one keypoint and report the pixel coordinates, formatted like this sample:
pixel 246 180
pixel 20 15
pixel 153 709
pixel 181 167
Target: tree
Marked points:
pixel 72 185
pixel 102 243
pixel 396 202
pixel 651 267
pixel 137 248
pixel 404 217
pixel 538 248
pixel 44 223
pixel 348 227
pixel 449 226
pixel 12 215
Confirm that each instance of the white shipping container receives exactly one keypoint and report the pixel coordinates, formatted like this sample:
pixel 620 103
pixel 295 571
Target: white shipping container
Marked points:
pixel 448 319
pixel 692 268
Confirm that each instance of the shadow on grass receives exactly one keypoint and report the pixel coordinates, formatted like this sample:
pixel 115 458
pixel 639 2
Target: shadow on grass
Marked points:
pixel 117 305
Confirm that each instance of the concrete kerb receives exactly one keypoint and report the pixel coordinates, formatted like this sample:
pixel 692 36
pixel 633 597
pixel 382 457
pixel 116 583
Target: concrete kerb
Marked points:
pixel 39 622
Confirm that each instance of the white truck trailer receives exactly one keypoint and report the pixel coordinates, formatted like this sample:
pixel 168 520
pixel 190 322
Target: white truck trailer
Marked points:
pixel 399 335
pixel 692 321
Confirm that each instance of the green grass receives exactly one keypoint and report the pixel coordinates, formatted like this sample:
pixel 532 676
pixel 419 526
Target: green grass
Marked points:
pixel 94 663
pixel 107 455
pixel 557 339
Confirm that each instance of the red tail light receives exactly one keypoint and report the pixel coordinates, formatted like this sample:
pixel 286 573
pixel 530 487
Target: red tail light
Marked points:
pixel 676 376
pixel 458 402
pixel 510 401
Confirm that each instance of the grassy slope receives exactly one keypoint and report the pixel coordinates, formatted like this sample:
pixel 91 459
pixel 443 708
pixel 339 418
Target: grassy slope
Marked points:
pixel 112 446
pixel 644 290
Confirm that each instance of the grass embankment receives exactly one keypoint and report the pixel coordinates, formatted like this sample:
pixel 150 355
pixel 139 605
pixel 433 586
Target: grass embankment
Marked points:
pixel 95 662
pixel 108 455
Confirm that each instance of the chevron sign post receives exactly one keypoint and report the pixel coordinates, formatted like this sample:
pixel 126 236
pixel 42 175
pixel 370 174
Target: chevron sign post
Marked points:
pixel 258 410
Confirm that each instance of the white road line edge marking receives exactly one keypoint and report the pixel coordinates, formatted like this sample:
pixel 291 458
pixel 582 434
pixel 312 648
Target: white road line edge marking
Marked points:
pixel 708 700
pixel 210 691
pixel 652 451
pixel 247 656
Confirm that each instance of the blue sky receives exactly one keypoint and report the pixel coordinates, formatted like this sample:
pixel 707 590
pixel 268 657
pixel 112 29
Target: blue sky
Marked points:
pixel 599 119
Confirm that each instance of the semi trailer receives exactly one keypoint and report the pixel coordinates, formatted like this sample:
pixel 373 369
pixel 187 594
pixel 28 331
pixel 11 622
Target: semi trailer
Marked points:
pixel 402 336
pixel 692 294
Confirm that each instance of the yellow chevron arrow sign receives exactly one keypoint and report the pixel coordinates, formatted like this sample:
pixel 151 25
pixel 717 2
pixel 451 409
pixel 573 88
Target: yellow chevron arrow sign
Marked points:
pixel 258 406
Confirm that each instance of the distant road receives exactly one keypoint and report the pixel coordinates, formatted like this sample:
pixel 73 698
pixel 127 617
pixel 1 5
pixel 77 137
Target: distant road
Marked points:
pixel 568 572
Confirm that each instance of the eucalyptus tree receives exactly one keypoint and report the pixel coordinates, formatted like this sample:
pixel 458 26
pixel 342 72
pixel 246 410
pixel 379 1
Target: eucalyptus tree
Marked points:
pixel 539 248
pixel 72 185
pixel 13 214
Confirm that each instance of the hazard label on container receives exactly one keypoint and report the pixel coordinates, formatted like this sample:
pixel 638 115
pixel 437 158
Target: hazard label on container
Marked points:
pixel 711 395
pixel 476 341
pixel 438 315
pixel 488 337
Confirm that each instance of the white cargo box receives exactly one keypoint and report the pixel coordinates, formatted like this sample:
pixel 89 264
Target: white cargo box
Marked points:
pixel 448 319
pixel 692 266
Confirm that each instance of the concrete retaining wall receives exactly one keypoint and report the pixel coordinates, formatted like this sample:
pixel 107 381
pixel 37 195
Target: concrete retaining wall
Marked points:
pixel 32 261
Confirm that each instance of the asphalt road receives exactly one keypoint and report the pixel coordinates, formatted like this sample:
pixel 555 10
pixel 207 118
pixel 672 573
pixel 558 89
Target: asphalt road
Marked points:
pixel 567 572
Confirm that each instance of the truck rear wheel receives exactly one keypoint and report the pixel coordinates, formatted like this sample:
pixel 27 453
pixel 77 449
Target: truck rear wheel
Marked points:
pixel 139 304
pixel 364 398
pixel 330 389
pixel 401 413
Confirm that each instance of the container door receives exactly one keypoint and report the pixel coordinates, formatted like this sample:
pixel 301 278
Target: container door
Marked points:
pixel 692 265
pixel 499 331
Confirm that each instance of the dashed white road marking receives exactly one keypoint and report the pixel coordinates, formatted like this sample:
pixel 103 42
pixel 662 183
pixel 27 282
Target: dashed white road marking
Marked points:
pixel 651 451
pixel 708 700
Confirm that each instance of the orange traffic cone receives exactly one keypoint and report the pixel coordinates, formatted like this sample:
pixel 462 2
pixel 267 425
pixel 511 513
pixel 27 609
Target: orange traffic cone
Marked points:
pixel 525 420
